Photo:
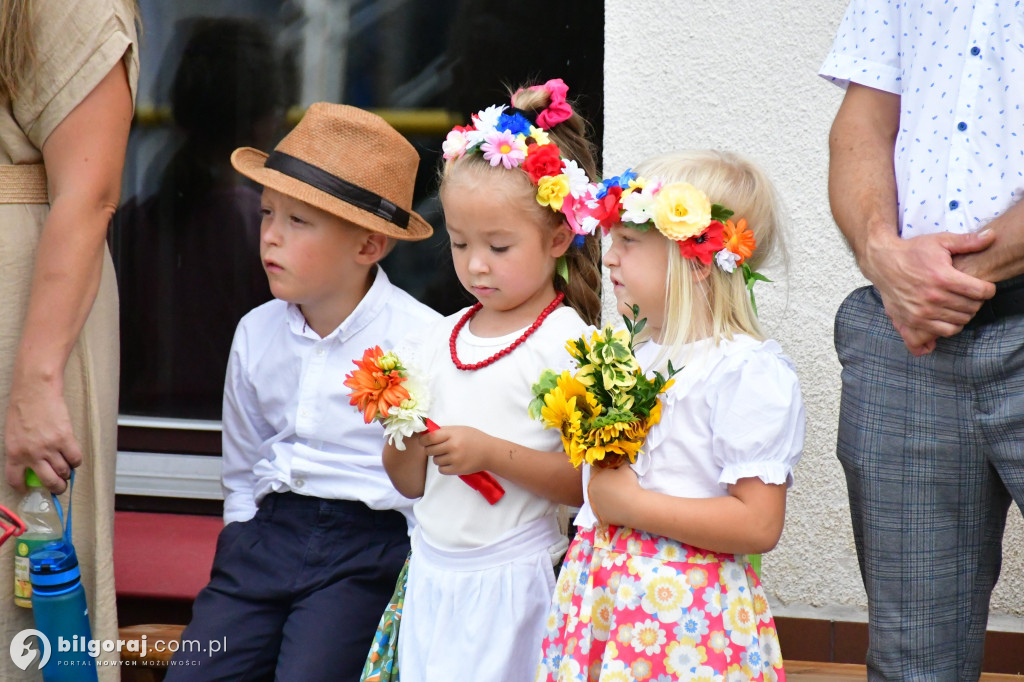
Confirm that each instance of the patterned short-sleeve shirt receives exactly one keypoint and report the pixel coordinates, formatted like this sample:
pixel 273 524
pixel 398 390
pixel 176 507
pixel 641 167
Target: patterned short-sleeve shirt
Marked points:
pixel 959 155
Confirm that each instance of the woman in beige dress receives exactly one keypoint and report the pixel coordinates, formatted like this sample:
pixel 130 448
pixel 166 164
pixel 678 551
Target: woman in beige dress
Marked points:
pixel 67 84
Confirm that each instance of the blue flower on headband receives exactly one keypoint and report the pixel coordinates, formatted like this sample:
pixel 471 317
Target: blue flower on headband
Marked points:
pixel 515 123
pixel 617 181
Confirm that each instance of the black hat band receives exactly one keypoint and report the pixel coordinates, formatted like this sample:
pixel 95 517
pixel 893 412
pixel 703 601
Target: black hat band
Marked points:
pixel 338 188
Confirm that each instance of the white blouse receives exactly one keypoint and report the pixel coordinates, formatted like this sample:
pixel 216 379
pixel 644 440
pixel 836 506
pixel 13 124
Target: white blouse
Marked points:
pixel 493 399
pixel 734 412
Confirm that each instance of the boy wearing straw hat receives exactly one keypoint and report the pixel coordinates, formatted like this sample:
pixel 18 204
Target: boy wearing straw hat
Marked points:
pixel 315 535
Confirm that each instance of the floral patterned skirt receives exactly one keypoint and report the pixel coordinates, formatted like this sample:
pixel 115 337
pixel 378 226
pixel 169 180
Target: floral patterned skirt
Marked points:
pixel 634 606
pixel 382 662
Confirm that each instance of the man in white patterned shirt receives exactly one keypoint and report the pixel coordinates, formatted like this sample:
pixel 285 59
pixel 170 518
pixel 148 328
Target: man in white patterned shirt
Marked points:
pixel 926 174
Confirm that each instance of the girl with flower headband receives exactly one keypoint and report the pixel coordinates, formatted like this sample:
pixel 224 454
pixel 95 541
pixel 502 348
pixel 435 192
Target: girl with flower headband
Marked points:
pixel 480 576
pixel 657 584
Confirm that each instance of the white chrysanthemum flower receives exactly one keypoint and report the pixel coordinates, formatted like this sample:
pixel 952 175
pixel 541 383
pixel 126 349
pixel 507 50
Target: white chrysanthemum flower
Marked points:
pixel 408 418
pixel 639 207
pixel 487 120
pixel 578 180
pixel 727 260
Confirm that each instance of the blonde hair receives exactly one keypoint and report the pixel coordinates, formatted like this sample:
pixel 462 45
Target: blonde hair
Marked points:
pixel 734 182
pixel 16 48
pixel 583 290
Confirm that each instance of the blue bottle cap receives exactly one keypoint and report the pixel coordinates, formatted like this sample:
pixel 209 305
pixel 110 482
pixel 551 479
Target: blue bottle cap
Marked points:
pixel 53 568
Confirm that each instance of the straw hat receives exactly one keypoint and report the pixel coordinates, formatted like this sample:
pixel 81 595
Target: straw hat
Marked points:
pixel 345 161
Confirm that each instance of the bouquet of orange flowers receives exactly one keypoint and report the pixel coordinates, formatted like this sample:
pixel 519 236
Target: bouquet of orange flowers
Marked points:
pixel 385 391
pixel 605 409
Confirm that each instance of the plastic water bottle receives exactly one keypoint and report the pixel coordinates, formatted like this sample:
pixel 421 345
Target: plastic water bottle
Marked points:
pixel 60 611
pixel 42 526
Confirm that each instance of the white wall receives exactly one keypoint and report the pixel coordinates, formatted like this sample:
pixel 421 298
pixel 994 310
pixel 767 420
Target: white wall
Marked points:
pixel 742 76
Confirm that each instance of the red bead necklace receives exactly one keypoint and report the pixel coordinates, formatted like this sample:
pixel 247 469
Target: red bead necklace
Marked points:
pixel 504 351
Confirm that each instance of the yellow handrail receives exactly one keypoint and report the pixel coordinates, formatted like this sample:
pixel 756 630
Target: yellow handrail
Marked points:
pixel 405 121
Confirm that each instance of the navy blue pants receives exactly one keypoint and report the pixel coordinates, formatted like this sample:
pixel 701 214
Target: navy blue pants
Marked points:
pixel 295 594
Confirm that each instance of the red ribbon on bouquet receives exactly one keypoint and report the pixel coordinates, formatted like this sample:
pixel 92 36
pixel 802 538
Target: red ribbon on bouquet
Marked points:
pixel 482 482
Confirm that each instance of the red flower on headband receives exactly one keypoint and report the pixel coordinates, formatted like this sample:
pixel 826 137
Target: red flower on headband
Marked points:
pixel 542 160
pixel 607 211
pixel 705 245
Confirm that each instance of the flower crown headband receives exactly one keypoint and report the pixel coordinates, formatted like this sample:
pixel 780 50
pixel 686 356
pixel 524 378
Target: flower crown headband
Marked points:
pixel 683 213
pixel 505 136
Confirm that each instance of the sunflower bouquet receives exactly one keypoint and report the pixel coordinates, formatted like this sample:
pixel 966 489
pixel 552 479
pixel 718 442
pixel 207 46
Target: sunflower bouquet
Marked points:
pixel 384 390
pixel 605 408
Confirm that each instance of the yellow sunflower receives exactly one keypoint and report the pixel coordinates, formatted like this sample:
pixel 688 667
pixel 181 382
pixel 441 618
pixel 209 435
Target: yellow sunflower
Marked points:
pixel 560 412
pixel 612 439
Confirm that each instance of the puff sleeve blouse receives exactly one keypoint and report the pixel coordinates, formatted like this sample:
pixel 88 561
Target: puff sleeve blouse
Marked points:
pixel 734 412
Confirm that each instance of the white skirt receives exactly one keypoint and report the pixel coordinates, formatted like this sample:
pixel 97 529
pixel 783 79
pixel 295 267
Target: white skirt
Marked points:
pixel 478 614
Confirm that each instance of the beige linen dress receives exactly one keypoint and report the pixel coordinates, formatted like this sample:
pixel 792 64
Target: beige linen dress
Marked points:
pixel 77 43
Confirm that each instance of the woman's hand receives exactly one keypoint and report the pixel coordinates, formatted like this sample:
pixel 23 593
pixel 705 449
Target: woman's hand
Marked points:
pixel 458 450
pixel 39 436
pixel 611 492
pixel 84 156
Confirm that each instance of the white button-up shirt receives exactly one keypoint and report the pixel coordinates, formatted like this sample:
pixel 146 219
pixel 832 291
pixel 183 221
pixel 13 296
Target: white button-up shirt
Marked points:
pixel 288 424
pixel 958 69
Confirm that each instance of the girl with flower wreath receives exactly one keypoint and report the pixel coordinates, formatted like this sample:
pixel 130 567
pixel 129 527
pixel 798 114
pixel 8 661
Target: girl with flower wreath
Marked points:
pixel 657 585
pixel 480 575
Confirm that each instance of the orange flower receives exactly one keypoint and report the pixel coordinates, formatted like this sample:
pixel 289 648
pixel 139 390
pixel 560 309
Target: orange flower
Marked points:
pixel 739 239
pixel 374 390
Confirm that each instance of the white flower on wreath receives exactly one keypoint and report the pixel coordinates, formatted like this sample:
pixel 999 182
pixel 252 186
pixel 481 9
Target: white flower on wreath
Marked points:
pixel 486 120
pixel 639 207
pixel 727 260
pixel 578 180
pixel 454 146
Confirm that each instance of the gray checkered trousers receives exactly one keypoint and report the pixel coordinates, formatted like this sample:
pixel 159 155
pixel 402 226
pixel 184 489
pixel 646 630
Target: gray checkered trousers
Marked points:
pixel 933 450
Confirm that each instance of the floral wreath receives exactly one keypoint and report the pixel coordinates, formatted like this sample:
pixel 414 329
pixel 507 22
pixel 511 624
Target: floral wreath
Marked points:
pixel 683 213
pixel 505 136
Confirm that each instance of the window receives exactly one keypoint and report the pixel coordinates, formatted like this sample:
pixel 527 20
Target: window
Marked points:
pixel 221 74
